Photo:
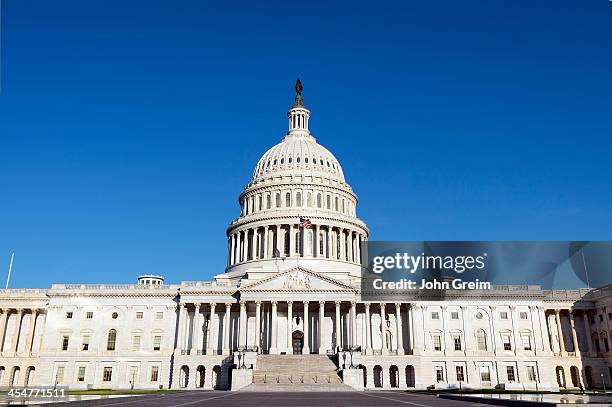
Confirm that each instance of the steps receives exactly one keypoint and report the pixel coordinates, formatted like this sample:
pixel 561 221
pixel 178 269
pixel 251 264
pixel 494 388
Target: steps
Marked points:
pixel 296 373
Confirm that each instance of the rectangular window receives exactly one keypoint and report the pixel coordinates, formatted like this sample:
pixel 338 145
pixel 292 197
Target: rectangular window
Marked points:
pixel 59 375
pixel 457 342
pixel 459 371
pixel 136 342
pixel 85 342
pixel 454 315
pixel 506 342
pixel 485 374
pixel 600 318
pixel 523 315
pixel 81 374
pixel 157 342
pixel 89 315
pixel 531 374
pixel 139 315
pixel 107 374
pixel 154 373
pixel 437 342
pixel 503 315
pixel 526 342
pixel 69 315
pixel 510 373
pixel 65 340
pixel 439 374
pixel 435 315
pixel 159 315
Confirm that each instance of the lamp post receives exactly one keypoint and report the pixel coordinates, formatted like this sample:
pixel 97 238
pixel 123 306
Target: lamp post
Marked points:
pixel 603 381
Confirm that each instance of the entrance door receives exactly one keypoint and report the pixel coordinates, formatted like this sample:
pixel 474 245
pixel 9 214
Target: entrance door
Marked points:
pixel 298 342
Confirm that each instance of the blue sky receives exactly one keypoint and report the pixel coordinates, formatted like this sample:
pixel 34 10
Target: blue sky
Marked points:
pixel 128 128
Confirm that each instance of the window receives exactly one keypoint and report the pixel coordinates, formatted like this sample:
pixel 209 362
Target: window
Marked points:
pixel 111 339
pixel 454 315
pixel 506 342
pixel 481 340
pixel 154 373
pixel 503 315
pixel 457 342
pixel 157 342
pixel 479 315
pixel 89 315
pixel 321 244
pixel 526 342
pixel 523 315
pixel 318 200
pixel 439 374
pixel 81 374
pixel 437 343
pixel 298 199
pixel 435 315
pixel 278 201
pixel 328 201
pixel 159 315
pixel 459 372
pixel 510 373
pixel 114 315
pixel 485 374
pixel 69 315
pixel 139 315
pixel 107 374
pixel 309 199
pixel 531 374
pixel 136 342
pixel 59 375
pixel 85 342
pixel 600 317
pixel 287 199
pixel 65 339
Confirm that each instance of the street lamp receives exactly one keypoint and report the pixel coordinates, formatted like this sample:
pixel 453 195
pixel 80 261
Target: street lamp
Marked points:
pixel 603 381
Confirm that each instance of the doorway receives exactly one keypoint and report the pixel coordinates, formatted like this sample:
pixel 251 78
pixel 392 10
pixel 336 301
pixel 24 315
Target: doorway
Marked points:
pixel 297 339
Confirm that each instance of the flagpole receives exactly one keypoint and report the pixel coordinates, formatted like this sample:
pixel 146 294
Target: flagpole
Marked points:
pixel 586 271
pixel 9 270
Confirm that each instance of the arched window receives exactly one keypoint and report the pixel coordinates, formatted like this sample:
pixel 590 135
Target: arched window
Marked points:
pixel 260 203
pixel 298 160
pixel 297 242
pixel 309 199
pixel 328 202
pixel 319 200
pixel 268 202
pixel 290 160
pixel 336 203
pixel 288 199
pixel 111 339
pixel 298 199
pixel 343 206
pixel 481 340
pixel 321 243
pixel 278 200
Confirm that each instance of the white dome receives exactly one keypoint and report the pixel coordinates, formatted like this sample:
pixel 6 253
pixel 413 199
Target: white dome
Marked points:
pixel 298 153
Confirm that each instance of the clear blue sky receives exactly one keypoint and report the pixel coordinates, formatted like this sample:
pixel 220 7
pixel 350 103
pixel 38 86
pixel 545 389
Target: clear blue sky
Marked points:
pixel 128 128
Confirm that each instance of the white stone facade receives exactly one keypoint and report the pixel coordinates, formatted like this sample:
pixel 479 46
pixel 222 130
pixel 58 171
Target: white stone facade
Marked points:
pixel 289 289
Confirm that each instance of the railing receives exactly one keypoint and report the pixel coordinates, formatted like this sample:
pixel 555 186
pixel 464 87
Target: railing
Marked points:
pixel 23 291
pixel 205 284
pixel 144 287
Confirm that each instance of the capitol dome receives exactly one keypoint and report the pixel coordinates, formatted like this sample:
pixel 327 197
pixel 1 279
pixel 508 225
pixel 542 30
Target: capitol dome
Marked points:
pixel 297 206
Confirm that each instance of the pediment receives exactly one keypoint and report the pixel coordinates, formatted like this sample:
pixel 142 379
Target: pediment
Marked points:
pixel 298 279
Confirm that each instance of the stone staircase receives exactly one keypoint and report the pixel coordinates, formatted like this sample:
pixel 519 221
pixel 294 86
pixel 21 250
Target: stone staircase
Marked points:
pixel 296 373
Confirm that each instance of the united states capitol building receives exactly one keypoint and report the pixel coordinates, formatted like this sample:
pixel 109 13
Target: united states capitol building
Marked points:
pixel 288 310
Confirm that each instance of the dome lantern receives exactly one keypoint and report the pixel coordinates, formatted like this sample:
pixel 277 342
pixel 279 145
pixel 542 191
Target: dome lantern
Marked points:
pixel 298 115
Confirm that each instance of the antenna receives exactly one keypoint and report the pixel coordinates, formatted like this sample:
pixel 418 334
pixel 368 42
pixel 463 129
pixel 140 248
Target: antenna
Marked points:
pixel 8 278
pixel 586 271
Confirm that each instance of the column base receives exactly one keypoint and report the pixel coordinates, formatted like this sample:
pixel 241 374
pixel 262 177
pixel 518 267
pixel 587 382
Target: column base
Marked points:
pixel 322 351
pixel 369 351
pixel 305 350
pixel 225 352
pixel 273 351
pixel 400 351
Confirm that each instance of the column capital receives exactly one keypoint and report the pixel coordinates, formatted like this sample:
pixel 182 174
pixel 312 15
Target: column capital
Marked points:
pixel 557 311
pixel 243 303
pixel 306 303
pixel 367 305
pixel 290 302
pixel 338 303
pixel 228 304
pixel 197 305
pixel 258 303
pixel 463 307
pixel 321 303
pixel 492 307
pixel 274 303
pixel 213 305
pixel 182 304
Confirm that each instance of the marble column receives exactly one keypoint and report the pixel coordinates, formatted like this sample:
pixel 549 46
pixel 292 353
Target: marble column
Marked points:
pixel 3 322
pixel 242 339
pixel 197 328
pixel 30 341
pixel 306 348
pixel 258 326
pixel 211 341
pixel 575 343
pixel 587 327
pixel 560 332
pixel 321 320
pixel 226 329
pixel 18 323
pixel 398 326
pixel 180 339
pixel 383 336
pixel 273 342
pixel 289 327
pixel 411 335
pixel 292 230
pixel 338 342
pixel 368 328
pixel 353 323
pixel 265 242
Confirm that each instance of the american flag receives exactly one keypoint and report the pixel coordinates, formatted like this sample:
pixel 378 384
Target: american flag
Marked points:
pixel 305 222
